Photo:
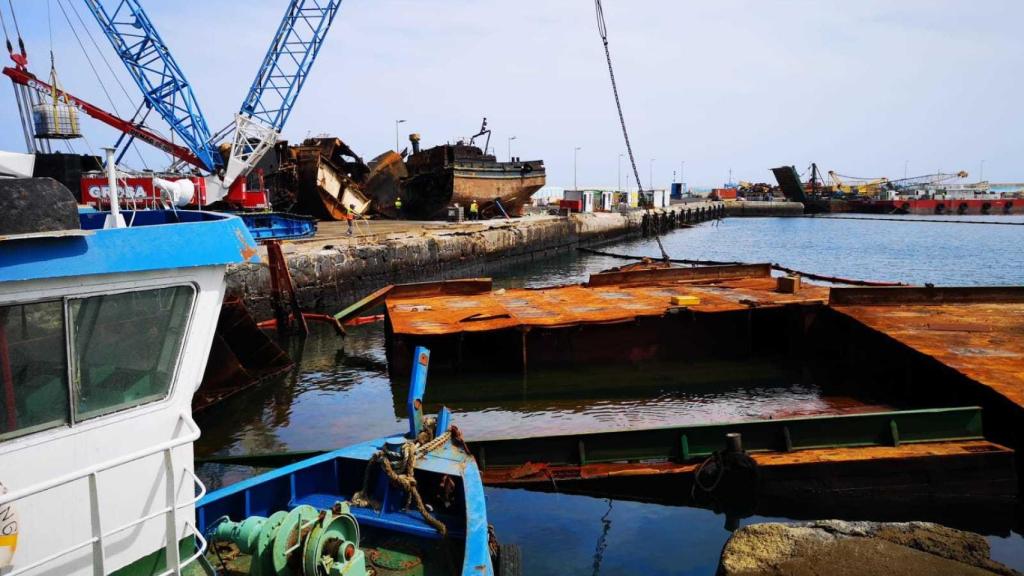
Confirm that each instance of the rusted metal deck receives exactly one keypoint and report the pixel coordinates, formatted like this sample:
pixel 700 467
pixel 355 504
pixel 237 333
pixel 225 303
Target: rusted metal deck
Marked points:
pixel 465 321
pixel 978 332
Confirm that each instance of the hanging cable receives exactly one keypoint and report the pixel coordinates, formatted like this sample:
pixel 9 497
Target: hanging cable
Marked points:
pixel 110 100
pixel 117 79
pixel 602 29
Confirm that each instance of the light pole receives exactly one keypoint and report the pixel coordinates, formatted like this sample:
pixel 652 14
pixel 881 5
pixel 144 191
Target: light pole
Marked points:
pixel 682 175
pixel 650 174
pixel 620 173
pixel 510 139
pixel 575 186
pixel 397 141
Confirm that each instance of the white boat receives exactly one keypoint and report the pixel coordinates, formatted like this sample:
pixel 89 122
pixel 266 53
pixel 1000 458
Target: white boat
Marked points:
pixel 104 336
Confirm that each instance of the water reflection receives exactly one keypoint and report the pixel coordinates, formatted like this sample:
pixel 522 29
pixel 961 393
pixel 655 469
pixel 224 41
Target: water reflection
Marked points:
pixel 340 393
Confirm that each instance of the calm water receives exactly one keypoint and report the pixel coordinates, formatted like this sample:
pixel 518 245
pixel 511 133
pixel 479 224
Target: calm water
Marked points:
pixel 340 392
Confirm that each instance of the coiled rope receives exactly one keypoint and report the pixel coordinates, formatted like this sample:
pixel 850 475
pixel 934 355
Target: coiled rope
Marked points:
pixel 403 477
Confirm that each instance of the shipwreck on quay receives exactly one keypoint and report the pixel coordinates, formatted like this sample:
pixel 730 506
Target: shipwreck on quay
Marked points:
pixel 324 178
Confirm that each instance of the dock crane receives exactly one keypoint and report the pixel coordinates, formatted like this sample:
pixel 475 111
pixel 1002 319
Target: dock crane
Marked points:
pixel 926 180
pixel 855 185
pixel 165 89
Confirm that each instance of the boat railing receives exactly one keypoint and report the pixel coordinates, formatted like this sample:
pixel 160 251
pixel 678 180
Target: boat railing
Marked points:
pixel 99 535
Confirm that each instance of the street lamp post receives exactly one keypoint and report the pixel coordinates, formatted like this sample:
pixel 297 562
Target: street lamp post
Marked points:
pixel 650 175
pixel 620 173
pixel 575 186
pixel 682 175
pixel 397 141
pixel 510 139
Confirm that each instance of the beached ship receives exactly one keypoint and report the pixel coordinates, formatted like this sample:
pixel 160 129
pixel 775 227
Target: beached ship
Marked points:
pixel 460 173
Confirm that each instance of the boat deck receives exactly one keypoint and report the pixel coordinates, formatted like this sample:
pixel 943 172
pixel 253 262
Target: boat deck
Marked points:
pixel 978 332
pixel 612 297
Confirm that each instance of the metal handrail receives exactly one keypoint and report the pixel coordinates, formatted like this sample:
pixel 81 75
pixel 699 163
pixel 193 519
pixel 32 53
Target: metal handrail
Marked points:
pixel 192 436
pixel 92 473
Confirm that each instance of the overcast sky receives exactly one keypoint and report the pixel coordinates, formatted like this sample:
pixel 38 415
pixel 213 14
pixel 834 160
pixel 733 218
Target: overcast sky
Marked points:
pixel 860 87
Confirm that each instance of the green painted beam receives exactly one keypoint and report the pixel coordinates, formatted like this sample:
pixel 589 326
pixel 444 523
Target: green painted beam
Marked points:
pixel 683 443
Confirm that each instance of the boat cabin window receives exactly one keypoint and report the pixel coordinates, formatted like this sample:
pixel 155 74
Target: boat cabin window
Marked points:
pixel 125 347
pixel 124 350
pixel 33 368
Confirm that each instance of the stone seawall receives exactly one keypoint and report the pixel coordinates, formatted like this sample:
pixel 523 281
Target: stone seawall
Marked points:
pixel 333 270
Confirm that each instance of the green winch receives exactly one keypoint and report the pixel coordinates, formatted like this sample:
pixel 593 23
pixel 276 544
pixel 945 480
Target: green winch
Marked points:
pixel 302 542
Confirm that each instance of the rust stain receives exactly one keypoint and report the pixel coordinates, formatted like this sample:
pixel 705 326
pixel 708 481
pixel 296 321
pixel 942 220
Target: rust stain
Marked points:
pixel 246 250
pixel 638 294
pixel 983 341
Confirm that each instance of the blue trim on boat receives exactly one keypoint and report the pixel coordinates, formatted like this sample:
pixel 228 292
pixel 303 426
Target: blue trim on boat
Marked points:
pixel 156 240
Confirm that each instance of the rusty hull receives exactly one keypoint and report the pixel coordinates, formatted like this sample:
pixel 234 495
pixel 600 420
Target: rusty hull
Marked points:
pixel 241 356
pixel 618 317
pixel 320 178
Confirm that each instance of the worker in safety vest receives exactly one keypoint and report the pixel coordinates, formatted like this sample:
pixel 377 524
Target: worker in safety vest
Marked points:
pixel 350 215
pixel 398 207
pixel 474 211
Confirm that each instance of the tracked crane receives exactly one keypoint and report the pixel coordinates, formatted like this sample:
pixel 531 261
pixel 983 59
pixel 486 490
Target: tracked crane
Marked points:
pixel 228 156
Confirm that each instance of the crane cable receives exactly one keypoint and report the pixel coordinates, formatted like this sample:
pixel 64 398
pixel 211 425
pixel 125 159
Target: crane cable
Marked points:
pixel 17 29
pixel 602 29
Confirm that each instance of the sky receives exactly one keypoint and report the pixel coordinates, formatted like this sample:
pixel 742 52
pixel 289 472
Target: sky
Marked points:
pixel 867 88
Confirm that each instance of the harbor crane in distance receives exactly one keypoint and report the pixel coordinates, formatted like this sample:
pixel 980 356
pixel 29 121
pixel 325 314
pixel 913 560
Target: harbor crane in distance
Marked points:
pixel 926 180
pixel 855 185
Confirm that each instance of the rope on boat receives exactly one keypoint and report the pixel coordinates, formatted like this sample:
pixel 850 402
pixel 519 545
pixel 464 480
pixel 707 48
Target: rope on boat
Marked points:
pixel 403 478
pixel 777 267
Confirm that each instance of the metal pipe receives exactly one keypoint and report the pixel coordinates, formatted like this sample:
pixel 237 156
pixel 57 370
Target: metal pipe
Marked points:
pixel 114 220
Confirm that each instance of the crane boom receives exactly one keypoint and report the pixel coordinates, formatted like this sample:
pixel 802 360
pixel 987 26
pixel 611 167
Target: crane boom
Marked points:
pixel 25 78
pixel 926 180
pixel 150 64
pixel 278 82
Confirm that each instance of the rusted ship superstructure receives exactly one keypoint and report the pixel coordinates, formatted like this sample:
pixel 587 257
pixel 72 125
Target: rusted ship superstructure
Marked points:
pixel 451 174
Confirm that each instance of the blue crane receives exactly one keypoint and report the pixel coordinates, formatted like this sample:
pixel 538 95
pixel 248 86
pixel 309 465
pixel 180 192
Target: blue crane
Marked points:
pixel 267 106
pixel 158 76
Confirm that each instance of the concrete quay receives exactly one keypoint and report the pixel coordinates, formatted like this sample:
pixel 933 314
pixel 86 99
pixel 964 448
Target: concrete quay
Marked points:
pixel 334 269
pixel 762 209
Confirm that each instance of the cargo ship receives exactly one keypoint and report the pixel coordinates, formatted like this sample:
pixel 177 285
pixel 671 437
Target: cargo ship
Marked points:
pixel 450 174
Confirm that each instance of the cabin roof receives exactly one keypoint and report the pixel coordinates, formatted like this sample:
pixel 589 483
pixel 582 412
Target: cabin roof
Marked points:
pixel 155 240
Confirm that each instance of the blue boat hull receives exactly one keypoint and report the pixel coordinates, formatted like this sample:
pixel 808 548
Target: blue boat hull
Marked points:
pixel 447 478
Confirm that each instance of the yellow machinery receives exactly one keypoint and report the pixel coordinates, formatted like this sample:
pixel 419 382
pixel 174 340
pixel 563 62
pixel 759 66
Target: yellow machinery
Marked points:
pixel 857 186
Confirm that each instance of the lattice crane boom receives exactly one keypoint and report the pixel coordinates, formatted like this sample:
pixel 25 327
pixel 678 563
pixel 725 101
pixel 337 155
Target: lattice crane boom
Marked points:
pixel 154 70
pixel 278 82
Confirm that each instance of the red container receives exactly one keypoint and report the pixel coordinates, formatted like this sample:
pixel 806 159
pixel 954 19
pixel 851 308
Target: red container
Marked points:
pixel 723 194
pixel 576 205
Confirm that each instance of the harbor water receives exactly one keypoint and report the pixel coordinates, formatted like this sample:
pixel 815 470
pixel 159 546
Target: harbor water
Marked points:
pixel 340 392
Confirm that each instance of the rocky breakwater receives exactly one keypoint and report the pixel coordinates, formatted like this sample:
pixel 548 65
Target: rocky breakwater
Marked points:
pixel 333 270
pixel 857 548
